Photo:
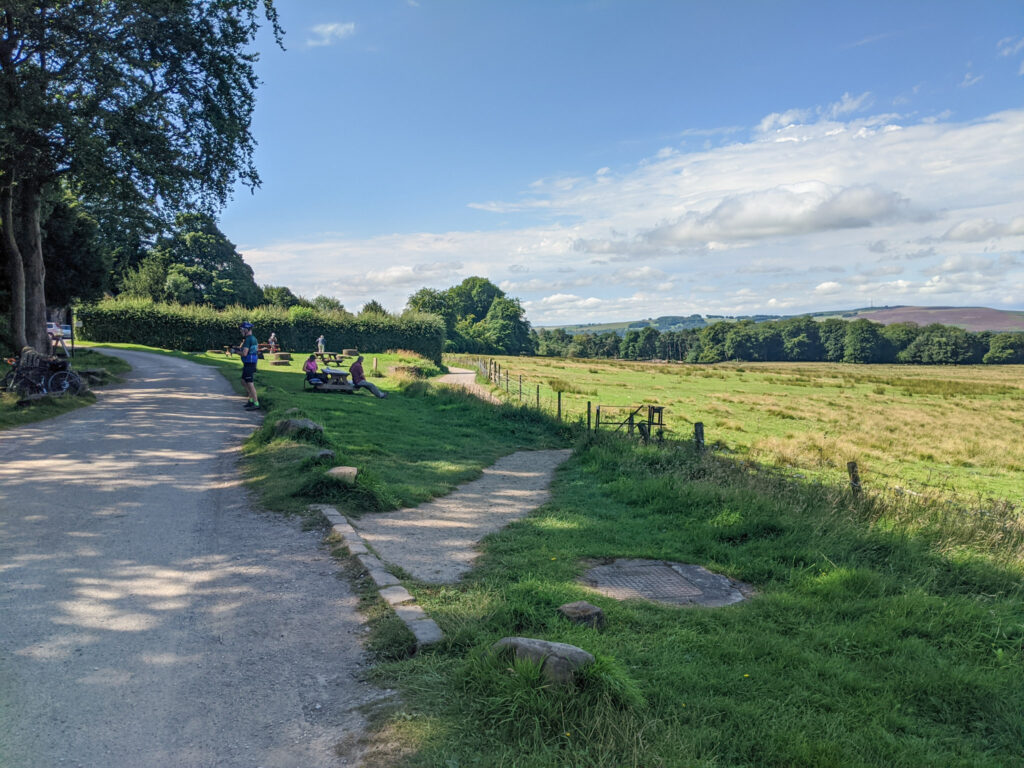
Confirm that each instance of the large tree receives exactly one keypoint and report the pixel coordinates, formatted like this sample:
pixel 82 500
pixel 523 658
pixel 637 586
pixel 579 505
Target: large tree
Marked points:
pixel 145 104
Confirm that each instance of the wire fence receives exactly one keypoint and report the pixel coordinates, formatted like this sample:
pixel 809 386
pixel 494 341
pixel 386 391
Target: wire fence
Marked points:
pixel 565 401
pixel 569 403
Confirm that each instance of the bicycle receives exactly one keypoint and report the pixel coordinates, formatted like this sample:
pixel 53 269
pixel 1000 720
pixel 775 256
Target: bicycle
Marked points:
pixel 34 375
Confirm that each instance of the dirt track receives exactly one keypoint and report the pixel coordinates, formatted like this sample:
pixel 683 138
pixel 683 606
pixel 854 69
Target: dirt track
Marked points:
pixel 151 616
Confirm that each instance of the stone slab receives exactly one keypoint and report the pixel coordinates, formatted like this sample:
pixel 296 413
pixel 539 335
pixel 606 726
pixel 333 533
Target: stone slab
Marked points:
pixel 409 613
pixel 425 631
pixel 383 578
pixel 396 595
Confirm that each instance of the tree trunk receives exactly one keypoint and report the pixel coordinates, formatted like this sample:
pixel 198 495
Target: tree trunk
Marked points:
pixel 15 270
pixel 31 246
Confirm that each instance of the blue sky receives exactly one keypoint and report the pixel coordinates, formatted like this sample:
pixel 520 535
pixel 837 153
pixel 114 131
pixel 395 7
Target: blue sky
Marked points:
pixel 615 160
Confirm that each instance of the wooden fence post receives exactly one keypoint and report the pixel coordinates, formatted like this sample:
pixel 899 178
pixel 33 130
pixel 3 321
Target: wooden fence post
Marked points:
pixel 538 397
pixel 597 419
pixel 698 435
pixel 375 365
pixel 520 387
pixel 588 415
pixel 506 382
pixel 851 468
pixel 559 405
pixel 631 425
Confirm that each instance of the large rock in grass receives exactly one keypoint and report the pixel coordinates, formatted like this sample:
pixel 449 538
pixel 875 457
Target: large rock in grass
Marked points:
pixel 559 661
pixel 298 428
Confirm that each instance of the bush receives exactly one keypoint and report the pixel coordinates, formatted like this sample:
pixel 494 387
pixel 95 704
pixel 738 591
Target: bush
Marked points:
pixel 195 327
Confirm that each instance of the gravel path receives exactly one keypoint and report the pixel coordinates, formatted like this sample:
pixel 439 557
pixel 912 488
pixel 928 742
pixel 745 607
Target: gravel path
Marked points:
pixel 151 615
pixel 461 377
pixel 436 542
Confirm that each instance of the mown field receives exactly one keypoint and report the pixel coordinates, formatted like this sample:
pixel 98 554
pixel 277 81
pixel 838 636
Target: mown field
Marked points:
pixel 939 429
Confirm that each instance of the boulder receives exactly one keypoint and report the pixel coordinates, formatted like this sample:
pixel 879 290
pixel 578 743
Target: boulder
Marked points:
pixel 297 427
pixel 323 455
pixel 582 612
pixel 559 661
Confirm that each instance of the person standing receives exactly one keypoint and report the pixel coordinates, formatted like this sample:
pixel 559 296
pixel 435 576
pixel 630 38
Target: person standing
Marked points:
pixel 250 352
pixel 272 341
pixel 320 343
pixel 358 380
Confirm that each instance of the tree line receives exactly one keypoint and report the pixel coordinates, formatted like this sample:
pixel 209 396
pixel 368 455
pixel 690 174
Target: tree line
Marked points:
pixel 797 339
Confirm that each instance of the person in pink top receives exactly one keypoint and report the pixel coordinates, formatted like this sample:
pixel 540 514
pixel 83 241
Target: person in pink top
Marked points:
pixel 359 380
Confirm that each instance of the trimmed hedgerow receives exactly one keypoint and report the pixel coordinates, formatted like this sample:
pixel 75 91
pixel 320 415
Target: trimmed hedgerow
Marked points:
pixel 194 327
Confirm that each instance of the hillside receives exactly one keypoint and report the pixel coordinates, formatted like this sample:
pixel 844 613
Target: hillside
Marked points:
pixel 969 318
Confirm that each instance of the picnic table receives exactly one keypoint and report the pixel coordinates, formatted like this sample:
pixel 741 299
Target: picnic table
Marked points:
pixel 330 358
pixel 335 375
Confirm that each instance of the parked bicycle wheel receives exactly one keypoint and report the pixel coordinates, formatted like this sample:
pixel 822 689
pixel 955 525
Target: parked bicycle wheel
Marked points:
pixel 64 383
pixel 25 385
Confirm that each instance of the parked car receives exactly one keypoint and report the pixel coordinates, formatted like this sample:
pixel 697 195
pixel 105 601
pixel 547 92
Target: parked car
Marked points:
pixel 66 331
pixel 53 331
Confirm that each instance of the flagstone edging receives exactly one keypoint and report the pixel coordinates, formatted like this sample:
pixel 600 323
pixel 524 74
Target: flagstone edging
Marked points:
pixel 423 628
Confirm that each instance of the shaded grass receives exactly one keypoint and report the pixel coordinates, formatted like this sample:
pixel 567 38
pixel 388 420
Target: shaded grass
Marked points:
pixel 12 414
pixel 878 637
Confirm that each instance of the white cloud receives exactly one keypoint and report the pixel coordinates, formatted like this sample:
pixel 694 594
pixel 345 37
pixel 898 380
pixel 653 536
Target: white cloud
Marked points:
pixel 1010 46
pixel 977 230
pixel 970 79
pixel 848 104
pixel 772 218
pixel 827 289
pixel 329 34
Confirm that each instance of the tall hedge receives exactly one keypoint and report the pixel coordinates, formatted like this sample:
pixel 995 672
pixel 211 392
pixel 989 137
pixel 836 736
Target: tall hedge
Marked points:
pixel 194 328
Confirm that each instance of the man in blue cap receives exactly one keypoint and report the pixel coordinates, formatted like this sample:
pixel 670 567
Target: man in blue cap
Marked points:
pixel 250 352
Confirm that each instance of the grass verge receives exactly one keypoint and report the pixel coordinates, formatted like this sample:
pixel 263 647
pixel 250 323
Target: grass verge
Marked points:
pixel 880 636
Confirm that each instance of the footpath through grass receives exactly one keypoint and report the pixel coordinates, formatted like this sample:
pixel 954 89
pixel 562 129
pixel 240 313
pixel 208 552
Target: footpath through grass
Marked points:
pixel 879 637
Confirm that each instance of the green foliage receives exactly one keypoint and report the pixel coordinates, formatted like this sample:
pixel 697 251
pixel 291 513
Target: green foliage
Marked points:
pixel 1006 348
pixel 864 342
pixel 478 317
pixel 373 307
pixel 281 296
pixel 938 344
pixel 193 267
pixel 76 265
pixel 137 107
pixel 199 327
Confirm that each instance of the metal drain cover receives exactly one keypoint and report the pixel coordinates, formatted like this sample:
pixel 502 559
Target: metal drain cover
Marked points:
pixel 663 582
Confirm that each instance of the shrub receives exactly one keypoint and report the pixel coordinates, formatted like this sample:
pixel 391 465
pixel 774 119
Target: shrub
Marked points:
pixel 196 327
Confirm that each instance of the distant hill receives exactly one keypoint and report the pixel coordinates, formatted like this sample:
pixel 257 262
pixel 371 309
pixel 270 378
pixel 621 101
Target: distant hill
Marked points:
pixel 968 318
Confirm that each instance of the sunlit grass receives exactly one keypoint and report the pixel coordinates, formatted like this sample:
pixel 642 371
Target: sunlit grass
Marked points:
pixel 924 428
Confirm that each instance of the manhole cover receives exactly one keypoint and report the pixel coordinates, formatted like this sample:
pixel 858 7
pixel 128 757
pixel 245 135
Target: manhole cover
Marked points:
pixel 662 582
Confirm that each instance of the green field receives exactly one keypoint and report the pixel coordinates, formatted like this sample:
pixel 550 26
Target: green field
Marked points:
pixel 927 429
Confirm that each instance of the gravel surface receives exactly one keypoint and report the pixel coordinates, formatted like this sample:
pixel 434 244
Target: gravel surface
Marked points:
pixel 462 377
pixel 151 616
pixel 436 542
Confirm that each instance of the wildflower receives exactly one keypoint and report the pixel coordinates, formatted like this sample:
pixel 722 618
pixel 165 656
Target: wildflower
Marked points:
pixel 746 675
